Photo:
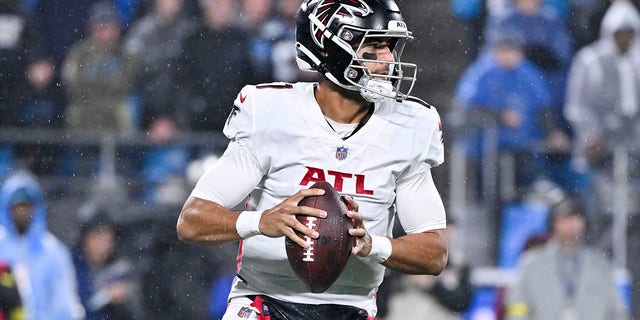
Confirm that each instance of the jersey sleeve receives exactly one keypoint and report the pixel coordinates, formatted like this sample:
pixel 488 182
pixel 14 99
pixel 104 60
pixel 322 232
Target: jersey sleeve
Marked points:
pixel 434 155
pixel 246 122
pixel 419 205
pixel 240 123
pixel 238 170
pixel 230 179
pixel 428 145
pixel 418 202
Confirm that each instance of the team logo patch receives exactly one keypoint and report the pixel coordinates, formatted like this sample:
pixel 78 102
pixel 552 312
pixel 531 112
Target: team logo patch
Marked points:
pixel 341 153
pixel 328 10
pixel 245 312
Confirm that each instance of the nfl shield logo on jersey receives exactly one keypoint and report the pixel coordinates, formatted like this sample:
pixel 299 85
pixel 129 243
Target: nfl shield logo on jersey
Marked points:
pixel 341 153
pixel 245 312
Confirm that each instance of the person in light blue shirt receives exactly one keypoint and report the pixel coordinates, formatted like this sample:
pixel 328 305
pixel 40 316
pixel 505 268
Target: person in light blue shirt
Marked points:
pixel 43 265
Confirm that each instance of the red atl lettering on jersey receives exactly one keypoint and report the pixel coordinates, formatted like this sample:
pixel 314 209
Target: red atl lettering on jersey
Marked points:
pixel 242 97
pixel 317 174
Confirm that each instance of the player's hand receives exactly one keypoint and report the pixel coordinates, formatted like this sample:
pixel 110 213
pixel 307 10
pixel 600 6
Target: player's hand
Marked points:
pixel 281 219
pixel 363 239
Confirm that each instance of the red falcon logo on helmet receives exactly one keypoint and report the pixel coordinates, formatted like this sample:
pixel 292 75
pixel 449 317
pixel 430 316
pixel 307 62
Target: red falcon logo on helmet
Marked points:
pixel 327 10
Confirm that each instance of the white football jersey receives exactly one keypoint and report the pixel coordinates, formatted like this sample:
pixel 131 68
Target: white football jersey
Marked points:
pixel 283 127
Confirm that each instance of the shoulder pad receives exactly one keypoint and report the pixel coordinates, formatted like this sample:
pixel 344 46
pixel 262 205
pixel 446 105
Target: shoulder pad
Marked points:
pixel 274 85
pixel 419 101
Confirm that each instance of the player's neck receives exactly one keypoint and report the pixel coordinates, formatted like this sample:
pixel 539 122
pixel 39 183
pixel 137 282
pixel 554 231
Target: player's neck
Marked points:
pixel 341 105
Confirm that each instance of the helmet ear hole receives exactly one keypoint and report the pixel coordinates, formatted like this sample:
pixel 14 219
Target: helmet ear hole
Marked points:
pixel 392 44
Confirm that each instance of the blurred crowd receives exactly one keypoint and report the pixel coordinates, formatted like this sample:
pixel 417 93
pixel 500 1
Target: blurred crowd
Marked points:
pixel 546 114
pixel 154 69
pixel 551 93
pixel 158 68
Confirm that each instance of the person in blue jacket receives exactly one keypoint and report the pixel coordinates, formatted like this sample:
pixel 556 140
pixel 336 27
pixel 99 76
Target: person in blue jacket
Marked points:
pixel 508 92
pixel 42 263
pixel 547 41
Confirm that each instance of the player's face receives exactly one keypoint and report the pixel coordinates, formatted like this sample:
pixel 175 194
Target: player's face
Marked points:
pixel 376 50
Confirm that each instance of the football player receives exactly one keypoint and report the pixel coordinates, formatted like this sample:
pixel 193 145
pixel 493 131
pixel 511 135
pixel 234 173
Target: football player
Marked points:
pixel 360 130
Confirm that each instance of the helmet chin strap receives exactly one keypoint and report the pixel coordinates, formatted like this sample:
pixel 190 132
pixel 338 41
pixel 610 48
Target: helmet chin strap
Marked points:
pixel 377 90
pixel 373 91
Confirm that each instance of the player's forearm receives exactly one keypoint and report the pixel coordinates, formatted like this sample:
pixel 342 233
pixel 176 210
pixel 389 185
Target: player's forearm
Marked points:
pixel 420 253
pixel 206 222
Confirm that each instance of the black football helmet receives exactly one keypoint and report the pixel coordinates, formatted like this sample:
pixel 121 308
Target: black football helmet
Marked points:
pixel 330 33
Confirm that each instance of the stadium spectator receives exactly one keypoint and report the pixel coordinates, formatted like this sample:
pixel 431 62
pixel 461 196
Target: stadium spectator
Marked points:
pixel 41 106
pixel 581 286
pixel 254 13
pixel 108 287
pixel 546 41
pixel 283 50
pixel 59 28
pixel 156 42
pixel 256 16
pixel 508 93
pixel 473 15
pixel 603 104
pixel 581 24
pixel 98 76
pixel 213 67
pixel 603 100
pixel 443 297
pixel 49 283
pixel 19 45
pixel 63 23
pixel 10 301
pixel 41 101
pixel 179 283
pixel 592 25
pixel 163 172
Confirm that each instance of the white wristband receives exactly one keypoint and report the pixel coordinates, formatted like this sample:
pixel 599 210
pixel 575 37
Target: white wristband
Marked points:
pixel 248 224
pixel 380 248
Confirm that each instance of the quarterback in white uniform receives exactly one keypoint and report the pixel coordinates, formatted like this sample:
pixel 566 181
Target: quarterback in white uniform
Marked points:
pixel 356 130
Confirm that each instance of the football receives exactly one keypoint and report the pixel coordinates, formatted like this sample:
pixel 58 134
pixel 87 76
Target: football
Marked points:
pixel 319 266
